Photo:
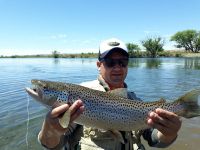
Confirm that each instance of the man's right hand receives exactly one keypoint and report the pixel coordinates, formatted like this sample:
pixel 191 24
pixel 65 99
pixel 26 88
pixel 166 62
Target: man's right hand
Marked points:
pixel 51 130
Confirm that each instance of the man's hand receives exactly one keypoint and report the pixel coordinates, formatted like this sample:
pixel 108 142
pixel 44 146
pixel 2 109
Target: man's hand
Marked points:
pixel 52 117
pixel 167 123
pixel 51 130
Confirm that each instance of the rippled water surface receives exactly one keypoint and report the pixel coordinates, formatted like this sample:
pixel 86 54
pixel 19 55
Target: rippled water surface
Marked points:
pixel 149 78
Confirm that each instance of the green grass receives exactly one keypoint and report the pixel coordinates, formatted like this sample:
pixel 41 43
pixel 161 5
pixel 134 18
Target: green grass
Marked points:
pixel 136 54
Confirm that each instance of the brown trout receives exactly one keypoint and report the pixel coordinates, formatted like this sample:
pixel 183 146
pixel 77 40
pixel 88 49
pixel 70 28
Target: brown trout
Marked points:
pixel 106 110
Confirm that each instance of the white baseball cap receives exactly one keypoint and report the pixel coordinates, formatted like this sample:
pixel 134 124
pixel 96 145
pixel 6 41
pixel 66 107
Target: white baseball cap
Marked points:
pixel 108 46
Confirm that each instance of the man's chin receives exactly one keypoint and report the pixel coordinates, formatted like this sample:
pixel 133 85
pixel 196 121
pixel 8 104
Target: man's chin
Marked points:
pixel 117 83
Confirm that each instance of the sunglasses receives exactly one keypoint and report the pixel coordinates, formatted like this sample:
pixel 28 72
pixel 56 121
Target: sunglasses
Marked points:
pixel 123 62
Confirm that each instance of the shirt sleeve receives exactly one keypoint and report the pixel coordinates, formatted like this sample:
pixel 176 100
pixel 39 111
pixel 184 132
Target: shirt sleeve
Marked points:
pixel 64 139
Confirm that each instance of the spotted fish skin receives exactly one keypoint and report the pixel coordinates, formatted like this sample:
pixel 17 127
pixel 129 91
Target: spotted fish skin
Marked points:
pixel 107 110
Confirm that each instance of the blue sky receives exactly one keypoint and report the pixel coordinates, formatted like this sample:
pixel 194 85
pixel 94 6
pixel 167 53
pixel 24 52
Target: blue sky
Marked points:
pixel 41 26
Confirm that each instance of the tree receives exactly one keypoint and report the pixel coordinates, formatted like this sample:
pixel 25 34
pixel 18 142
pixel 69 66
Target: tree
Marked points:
pixel 55 54
pixel 188 39
pixel 153 45
pixel 133 49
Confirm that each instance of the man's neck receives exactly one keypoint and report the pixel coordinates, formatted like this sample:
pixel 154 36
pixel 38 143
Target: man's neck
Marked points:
pixel 116 87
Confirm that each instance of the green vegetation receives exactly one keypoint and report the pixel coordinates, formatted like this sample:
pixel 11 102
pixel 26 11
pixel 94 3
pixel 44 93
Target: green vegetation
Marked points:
pixel 134 50
pixel 153 45
pixel 82 55
pixel 136 54
pixel 55 54
pixel 187 39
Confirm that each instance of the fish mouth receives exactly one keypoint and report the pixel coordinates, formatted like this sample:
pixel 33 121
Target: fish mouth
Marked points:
pixel 34 92
pixel 37 89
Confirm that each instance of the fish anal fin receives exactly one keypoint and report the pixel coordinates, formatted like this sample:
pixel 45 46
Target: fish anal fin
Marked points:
pixel 65 119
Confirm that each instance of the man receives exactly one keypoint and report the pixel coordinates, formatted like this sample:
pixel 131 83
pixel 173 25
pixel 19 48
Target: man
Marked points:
pixel 113 67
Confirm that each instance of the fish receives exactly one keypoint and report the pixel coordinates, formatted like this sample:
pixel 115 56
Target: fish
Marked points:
pixel 108 110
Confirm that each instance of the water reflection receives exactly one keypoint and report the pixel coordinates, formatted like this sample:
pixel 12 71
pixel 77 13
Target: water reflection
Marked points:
pixel 153 63
pixel 156 63
pixel 150 63
pixel 192 63
pixel 134 63
pixel 56 61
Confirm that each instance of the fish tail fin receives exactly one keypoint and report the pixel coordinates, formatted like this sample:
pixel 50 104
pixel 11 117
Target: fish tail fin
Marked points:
pixel 191 103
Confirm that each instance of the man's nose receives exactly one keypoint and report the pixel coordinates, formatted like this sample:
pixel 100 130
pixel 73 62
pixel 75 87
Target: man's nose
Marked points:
pixel 117 66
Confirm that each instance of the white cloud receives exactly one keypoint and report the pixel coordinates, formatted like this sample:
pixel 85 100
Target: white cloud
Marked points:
pixel 151 32
pixel 58 36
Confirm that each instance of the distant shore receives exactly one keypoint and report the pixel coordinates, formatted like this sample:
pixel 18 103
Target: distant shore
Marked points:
pixel 136 54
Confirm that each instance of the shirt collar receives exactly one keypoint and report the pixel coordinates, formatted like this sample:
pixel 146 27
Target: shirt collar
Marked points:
pixel 105 85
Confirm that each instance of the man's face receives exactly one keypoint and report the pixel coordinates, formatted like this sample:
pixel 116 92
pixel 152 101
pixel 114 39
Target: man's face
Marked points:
pixel 116 74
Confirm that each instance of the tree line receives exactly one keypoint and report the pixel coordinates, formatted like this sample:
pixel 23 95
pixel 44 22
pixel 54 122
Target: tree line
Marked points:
pixel 189 40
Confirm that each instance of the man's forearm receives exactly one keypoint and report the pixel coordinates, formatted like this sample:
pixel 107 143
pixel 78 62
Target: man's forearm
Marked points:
pixel 48 136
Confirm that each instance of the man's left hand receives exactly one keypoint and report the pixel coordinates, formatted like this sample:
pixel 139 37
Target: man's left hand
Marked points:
pixel 167 123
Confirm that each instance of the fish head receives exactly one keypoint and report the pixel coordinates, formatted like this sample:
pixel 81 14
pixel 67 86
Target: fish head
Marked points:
pixel 48 92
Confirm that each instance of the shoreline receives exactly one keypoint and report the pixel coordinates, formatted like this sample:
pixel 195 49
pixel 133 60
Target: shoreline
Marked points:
pixel 140 54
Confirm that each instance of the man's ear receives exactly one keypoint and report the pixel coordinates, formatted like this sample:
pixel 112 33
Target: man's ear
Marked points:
pixel 98 64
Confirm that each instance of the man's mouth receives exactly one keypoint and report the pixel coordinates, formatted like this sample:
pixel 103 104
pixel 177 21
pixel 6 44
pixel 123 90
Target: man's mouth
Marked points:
pixel 116 74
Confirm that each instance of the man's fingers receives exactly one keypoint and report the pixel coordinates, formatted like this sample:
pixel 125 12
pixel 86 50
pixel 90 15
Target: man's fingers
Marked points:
pixel 157 119
pixel 77 113
pixel 166 122
pixel 75 106
pixel 168 115
pixel 56 112
pixel 75 109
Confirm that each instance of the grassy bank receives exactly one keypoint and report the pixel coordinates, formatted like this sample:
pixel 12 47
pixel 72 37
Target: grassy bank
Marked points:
pixel 82 55
pixel 135 54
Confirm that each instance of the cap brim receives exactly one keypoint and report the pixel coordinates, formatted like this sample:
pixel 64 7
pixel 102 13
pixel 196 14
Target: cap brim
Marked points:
pixel 109 52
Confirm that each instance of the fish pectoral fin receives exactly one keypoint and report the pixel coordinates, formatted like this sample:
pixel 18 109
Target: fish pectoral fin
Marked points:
pixel 118 136
pixel 65 119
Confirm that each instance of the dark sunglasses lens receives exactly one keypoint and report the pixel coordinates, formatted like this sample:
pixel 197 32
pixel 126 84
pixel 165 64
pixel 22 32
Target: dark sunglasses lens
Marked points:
pixel 123 62
pixel 112 62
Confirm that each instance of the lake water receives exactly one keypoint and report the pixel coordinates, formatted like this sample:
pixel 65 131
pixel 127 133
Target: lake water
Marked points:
pixel 150 78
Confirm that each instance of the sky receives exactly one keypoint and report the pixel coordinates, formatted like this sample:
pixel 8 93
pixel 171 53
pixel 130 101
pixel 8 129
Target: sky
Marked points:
pixel 76 26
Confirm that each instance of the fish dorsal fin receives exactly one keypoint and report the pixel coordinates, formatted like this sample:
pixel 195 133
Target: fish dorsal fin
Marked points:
pixel 161 100
pixel 122 92
pixel 158 102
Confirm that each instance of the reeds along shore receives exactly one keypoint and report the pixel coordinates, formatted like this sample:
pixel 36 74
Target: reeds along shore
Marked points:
pixel 135 54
